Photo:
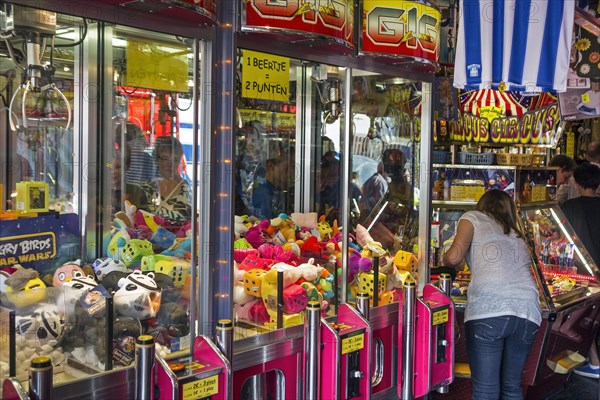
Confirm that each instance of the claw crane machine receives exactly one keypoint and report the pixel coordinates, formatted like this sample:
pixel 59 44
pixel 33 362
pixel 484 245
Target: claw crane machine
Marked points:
pixel 301 92
pixel 100 216
pixel 391 139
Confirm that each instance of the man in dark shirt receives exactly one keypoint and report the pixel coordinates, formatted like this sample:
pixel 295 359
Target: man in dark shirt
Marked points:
pixel 582 213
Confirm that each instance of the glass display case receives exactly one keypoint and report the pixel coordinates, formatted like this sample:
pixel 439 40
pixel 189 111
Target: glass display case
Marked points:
pixel 295 154
pixel 386 124
pixel 569 272
pixel 465 184
pixel 564 270
pixel 96 226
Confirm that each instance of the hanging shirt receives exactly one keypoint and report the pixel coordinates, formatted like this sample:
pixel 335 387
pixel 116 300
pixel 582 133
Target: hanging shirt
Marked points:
pixel 520 45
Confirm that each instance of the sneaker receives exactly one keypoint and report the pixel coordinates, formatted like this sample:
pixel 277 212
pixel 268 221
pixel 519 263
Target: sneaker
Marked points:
pixel 588 370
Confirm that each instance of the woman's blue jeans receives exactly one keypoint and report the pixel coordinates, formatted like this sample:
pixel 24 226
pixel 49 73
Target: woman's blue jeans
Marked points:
pixel 497 349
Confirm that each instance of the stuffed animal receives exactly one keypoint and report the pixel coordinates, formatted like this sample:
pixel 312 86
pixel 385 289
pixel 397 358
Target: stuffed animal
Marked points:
pixel 240 296
pixel 181 248
pixel 125 333
pixel 308 220
pixel 257 234
pixel 138 296
pixel 275 252
pixel 42 327
pixel 242 243
pixel 65 272
pixel 109 272
pixel 72 293
pixel 405 261
pixel 38 333
pixel 324 229
pixel 362 236
pixel 325 284
pixel 171 321
pixel 239 227
pixel 240 254
pixel 24 287
pixel 255 261
pixel 120 236
pixel 134 250
pixel 5 272
pixel 286 229
pixel 174 267
pixel 357 263
pixel 128 215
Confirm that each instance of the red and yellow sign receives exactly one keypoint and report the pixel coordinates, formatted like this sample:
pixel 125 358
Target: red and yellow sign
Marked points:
pixel 401 28
pixel 330 18
pixel 534 127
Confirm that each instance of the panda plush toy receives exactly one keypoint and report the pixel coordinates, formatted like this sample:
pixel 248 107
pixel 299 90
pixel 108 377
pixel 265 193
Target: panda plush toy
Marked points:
pixel 42 327
pixel 38 333
pixel 138 296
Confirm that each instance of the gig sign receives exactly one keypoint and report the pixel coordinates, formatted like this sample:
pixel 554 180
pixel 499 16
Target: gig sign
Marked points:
pixel 330 18
pixel 534 127
pixel 401 28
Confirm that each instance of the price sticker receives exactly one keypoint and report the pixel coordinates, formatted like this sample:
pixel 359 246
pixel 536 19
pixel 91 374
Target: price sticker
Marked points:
pixel 353 343
pixel 585 97
pixel 439 317
pixel 201 388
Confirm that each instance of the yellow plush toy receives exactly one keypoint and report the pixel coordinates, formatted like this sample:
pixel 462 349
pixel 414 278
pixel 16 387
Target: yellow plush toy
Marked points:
pixel 405 261
pixel 24 287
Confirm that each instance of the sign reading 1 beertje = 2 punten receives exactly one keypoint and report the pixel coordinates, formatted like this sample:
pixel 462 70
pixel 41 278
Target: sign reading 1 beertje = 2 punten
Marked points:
pixel 265 76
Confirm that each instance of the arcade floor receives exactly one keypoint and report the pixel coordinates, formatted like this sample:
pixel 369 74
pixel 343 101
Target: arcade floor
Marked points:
pixel 578 388
pixel 575 388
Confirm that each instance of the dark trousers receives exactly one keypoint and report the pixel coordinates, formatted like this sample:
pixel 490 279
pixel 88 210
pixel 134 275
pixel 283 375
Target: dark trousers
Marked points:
pixel 497 349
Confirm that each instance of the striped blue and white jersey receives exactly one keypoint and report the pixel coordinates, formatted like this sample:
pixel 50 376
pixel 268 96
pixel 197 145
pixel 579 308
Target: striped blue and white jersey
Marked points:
pixel 524 44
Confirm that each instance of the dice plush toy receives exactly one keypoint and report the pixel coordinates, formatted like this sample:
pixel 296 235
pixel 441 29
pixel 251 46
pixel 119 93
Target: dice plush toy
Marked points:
pixel 253 280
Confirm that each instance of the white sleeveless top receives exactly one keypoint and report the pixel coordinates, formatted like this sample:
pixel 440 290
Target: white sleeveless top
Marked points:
pixel 501 276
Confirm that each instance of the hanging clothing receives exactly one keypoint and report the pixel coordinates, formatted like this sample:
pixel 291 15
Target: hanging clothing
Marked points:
pixel 519 45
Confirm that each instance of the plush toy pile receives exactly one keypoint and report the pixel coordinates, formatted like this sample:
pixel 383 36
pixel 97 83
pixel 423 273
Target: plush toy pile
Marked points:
pixel 306 249
pixel 63 316
pixel 147 274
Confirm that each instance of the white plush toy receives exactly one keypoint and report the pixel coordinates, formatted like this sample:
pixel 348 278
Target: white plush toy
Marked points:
pixel 138 296
pixel 308 220
pixel 240 296
pixel 38 334
pixel 73 289
pixel 43 326
pixel 291 274
pixel 238 226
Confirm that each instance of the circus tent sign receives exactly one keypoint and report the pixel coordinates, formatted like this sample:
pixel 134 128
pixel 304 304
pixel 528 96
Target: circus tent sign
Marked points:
pixel 492 116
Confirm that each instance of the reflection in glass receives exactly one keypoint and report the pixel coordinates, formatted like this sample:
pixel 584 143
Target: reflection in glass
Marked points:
pixel 150 149
pixel 568 270
pixel 385 149
pixel 288 188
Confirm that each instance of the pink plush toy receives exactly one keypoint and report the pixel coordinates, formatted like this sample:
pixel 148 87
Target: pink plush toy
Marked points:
pixel 275 252
pixel 240 254
pixel 257 235
pixel 295 299
pixel 254 261
pixel 66 272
